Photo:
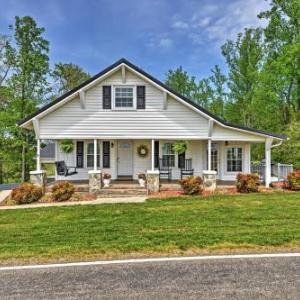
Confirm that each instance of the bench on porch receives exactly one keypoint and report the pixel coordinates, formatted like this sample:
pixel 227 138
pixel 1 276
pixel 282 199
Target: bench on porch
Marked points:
pixel 63 170
pixel 165 171
pixel 186 168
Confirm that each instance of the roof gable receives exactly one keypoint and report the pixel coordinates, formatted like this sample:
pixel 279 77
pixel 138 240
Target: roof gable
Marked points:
pixel 155 81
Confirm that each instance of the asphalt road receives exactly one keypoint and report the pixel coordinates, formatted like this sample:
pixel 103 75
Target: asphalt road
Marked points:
pixel 243 278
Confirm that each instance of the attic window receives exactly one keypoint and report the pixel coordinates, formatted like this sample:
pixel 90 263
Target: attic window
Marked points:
pixel 124 97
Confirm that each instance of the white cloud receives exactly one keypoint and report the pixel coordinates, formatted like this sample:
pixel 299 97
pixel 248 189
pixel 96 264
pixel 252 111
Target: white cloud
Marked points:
pixel 165 43
pixel 215 23
pixel 180 25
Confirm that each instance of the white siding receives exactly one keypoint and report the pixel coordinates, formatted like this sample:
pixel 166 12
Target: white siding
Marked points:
pixel 71 121
pixel 222 133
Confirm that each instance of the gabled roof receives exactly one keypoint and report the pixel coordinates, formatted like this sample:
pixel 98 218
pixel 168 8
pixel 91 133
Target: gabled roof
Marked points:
pixel 158 82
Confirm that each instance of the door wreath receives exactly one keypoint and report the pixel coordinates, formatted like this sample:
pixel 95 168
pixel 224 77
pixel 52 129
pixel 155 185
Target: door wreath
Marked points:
pixel 142 151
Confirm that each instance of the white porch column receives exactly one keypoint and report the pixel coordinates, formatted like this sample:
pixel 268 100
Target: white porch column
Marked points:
pixel 95 154
pixel 209 155
pixel 268 145
pixel 38 154
pixel 152 156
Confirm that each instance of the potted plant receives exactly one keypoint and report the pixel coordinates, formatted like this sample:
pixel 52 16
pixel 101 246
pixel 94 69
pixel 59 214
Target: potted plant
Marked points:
pixel 106 179
pixel 180 147
pixel 142 179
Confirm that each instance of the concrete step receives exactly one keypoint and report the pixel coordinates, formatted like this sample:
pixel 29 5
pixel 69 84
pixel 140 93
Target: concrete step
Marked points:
pixel 126 192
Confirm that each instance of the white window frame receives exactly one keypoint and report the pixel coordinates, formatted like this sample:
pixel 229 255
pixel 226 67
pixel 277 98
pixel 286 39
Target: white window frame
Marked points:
pixel 226 161
pixel 174 155
pixel 114 97
pixel 217 148
pixel 86 154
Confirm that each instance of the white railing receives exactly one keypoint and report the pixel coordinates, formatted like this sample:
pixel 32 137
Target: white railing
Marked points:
pixel 279 171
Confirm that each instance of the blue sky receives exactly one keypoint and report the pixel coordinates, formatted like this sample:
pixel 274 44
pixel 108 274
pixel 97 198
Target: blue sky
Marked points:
pixel 155 35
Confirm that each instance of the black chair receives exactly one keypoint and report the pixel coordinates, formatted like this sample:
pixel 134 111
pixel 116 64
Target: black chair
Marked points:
pixel 165 171
pixel 186 169
pixel 63 170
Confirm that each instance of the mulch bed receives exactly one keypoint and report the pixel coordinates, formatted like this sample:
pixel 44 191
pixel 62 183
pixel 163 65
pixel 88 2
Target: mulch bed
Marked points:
pixel 221 191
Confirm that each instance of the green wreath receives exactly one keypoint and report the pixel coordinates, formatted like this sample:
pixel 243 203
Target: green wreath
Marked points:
pixel 66 146
pixel 142 151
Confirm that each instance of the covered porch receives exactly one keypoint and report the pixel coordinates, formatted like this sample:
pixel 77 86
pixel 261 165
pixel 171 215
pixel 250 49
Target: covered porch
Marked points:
pixel 126 158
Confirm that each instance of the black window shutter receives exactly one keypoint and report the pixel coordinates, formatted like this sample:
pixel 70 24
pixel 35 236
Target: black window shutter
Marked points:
pixel 140 97
pixel 156 154
pixel 80 154
pixel 106 154
pixel 181 160
pixel 106 97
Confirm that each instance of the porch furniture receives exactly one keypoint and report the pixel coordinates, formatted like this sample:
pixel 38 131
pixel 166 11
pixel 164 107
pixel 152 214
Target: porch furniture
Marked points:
pixel 187 169
pixel 165 171
pixel 63 170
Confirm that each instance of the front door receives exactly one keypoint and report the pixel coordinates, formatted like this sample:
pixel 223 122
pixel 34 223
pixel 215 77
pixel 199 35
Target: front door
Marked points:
pixel 125 158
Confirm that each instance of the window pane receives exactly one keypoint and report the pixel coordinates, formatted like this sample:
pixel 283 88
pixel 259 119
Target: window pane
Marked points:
pixel 124 97
pixel 234 159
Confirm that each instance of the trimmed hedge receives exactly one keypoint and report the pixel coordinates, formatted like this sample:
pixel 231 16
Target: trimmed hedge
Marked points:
pixel 62 191
pixel 26 193
pixel 247 182
pixel 192 185
pixel 293 180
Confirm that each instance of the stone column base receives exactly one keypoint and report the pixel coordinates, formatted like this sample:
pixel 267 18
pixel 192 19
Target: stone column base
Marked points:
pixel 209 180
pixel 95 181
pixel 39 178
pixel 152 181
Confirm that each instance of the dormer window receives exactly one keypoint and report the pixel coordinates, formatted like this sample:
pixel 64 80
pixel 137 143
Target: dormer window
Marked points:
pixel 124 97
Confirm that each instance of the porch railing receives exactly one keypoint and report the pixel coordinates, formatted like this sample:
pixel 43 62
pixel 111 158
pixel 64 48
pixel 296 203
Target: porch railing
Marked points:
pixel 278 170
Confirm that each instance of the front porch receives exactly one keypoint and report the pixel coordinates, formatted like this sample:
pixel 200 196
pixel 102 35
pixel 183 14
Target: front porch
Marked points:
pixel 126 159
pixel 122 158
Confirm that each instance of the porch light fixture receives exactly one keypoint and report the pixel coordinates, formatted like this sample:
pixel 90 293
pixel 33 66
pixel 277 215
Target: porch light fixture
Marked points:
pixel 226 143
pixel 112 145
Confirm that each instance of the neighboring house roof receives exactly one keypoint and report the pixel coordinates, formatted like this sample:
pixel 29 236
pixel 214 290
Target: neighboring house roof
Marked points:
pixel 158 82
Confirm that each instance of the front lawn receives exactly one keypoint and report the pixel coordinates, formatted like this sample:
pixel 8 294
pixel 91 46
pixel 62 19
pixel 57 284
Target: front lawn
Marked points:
pixel 255 222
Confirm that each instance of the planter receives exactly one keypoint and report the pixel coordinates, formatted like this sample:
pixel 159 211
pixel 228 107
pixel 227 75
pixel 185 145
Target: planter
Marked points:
pixel 106 182
pixel 142 182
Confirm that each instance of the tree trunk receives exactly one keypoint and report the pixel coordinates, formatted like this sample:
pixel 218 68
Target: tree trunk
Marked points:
pixel 298 99
pixel 23 164
pixel 1 171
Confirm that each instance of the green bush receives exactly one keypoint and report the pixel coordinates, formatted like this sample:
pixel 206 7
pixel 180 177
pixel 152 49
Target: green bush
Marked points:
pixel 62 191
pixel 247 183
pixel 293 180
pixel 26 193
pixel 192 185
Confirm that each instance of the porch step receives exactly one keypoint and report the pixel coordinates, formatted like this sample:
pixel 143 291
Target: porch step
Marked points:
pixel 118 192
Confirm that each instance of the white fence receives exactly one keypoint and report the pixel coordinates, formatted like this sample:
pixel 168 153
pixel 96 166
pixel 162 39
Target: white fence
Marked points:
pixel 279 171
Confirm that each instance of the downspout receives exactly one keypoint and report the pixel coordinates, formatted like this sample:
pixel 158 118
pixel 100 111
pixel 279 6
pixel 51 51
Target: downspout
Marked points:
pixel 277 145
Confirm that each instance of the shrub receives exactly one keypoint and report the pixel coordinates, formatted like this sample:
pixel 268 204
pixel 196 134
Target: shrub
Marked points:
pixel 192 185
pixel 26 193
pixel 62 191
pixel 247 183
pixel 293 180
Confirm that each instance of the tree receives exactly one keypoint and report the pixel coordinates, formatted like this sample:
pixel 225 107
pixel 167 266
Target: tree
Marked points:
pixel 68 76
pixel 244 58
pixel 28 82
pixel 181 82
pixel 283 40
pixel 219 96
pixel 289 151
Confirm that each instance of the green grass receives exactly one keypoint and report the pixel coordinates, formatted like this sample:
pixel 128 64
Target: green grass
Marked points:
pixel 157 227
